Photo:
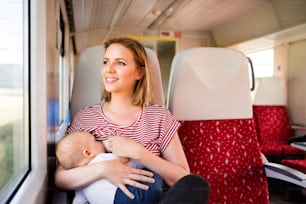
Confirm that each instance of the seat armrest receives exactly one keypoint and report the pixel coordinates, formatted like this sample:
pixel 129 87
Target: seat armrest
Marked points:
pixel 298 129
pixel 281 172
pixel 299 138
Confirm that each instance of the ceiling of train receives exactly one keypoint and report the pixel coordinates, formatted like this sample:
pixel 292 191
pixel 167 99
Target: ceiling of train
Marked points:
pixel 94 21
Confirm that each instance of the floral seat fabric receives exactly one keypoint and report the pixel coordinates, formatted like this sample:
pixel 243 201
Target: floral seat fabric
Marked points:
pixel 298 164
pixel 274 130
pixel 226 153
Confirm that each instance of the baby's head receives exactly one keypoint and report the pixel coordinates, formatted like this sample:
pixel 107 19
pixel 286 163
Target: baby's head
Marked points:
pixel 77 149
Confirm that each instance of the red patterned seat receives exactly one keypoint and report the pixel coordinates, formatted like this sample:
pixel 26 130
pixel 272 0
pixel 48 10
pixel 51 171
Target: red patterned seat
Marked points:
pixel 272 118
pixel 225 152
pixel 218 132
pixel 274 130
pixel 298 164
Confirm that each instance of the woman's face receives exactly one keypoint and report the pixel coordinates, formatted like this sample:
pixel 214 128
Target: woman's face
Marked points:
pixel 119 72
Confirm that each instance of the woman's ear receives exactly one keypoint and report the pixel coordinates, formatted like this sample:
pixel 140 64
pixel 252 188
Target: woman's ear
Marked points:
pixel 88 154
pixel 140 73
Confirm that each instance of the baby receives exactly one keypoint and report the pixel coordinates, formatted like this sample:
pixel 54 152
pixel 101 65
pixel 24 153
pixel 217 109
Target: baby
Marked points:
pixel 81 148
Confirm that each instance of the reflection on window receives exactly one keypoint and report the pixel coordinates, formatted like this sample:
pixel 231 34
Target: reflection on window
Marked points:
pixel 14 95
pixel 263 62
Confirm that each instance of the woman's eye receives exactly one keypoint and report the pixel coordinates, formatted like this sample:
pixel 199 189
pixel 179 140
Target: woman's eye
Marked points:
pixel 104 62
pixel 121 63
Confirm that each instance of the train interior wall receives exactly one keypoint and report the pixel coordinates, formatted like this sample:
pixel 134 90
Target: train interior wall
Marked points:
pixel 289 62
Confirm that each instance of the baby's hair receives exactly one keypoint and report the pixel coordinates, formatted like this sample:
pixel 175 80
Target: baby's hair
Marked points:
pixel 69 150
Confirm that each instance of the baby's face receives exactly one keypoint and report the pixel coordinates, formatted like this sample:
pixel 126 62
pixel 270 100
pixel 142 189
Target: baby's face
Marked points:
pixel 96 146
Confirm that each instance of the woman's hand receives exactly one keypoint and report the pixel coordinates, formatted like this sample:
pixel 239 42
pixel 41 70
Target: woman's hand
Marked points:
pixel 125 147
pixel 120 174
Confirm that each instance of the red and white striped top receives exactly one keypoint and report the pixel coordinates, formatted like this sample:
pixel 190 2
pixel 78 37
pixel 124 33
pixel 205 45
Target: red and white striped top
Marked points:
pixel 153 129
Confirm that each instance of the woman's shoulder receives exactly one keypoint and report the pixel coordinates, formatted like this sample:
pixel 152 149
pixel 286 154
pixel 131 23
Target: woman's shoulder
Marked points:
pixel 91 109
pixel 155 107
pixel 156 110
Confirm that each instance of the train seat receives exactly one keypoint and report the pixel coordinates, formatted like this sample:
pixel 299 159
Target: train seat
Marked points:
pixel 272 119
pixel 274 131
pixel 88 86
pixel 209 94
pixel 156 76
pixel 87 80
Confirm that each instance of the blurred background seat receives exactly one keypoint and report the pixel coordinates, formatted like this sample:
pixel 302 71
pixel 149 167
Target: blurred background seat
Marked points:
pixel 272 119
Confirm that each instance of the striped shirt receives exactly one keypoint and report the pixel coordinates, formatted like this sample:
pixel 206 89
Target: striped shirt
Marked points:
pixel 153 129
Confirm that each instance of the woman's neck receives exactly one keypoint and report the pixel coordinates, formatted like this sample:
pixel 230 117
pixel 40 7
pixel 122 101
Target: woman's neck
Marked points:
pixel 121 112
pixel 120 104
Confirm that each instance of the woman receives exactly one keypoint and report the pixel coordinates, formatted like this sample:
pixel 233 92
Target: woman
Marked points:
pixel 139 130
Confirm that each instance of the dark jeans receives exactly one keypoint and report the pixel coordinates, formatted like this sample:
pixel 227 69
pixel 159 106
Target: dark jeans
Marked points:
pixel 151 196
pixel 191 189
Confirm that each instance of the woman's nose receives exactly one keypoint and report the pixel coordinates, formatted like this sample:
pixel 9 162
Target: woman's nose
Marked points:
pixel 111 68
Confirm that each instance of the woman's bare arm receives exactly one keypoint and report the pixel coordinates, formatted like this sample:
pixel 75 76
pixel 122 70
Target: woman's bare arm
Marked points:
pixel 171 166
pixel 79 177
pixel 114 170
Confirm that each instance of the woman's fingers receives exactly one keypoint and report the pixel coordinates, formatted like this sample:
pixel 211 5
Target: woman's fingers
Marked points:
pixel 136 184
pixel 139 174
pixel 126 191
pixel 134 179
pixel 143 172
pixel 142 175
pixel 122 175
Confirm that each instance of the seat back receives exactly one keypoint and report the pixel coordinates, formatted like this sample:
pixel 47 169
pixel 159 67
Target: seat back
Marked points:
pixel 272 118
pixel 209 94
pixel 270 91
pixel 88 85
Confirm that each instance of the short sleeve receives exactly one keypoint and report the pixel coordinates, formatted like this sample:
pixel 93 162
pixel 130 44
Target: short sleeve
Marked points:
pixel 169 126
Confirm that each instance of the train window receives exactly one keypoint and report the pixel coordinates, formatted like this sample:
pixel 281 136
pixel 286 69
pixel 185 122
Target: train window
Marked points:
pixel 263 62
pixel 14 95
pixel 61 88
pixel 63 75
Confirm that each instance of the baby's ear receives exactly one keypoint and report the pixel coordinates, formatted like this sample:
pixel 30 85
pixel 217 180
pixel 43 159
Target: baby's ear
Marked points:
pixel 88 154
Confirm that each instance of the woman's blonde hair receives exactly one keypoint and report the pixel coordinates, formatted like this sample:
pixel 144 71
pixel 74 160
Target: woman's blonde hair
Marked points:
pixel 143 91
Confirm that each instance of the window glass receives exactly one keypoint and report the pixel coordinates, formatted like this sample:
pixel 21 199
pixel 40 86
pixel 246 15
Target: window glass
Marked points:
pixel 14 95
pixel 263 62
pixel 61 88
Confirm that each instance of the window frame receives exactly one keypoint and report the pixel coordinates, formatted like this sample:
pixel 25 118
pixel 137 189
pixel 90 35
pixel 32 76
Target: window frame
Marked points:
pixel 33 187
pixel 15 183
